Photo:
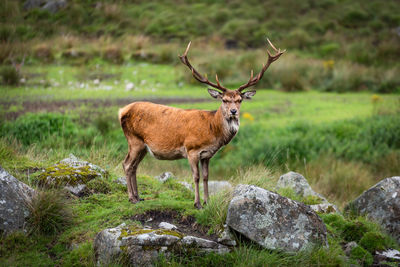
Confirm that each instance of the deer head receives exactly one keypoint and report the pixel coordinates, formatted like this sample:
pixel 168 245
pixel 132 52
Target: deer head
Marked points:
pixel 232 99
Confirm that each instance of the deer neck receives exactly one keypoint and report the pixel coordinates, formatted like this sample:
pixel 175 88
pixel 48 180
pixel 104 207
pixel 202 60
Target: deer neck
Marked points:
pixel 228 127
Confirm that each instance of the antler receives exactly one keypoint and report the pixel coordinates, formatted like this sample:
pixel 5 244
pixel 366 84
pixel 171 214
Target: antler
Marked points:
pixel 197 75
pixel 271 58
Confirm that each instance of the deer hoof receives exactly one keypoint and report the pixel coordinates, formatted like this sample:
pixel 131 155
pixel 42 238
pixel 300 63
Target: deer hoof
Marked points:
pixel 204 203
pixel 198 206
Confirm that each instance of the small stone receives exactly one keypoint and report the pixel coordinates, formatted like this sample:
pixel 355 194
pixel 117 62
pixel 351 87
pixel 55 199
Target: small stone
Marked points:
pixel 325 208
pixel 121 180
pixel 79 190
pixel 168 226
pixel 187 185
pixel 299 184
pixel 165 176
pixel 348 247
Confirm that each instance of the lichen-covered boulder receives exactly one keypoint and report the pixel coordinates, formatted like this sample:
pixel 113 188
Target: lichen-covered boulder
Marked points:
pixel 14 195
pixel 273 221
pixel 381 203
pixel 142 246
pixel 70 172
pixel 298 184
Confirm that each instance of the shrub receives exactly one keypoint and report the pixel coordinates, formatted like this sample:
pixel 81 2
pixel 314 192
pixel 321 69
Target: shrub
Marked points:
pixel 10 76
pixel 353 231
pixel 373 241
pixel 113 54
pixel 31 128
pixel 49 213
pixel 354 18
pixel 44 53
pixel 361 256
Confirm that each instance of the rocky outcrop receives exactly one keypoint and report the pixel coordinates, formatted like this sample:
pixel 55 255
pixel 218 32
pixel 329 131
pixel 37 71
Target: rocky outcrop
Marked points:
pixel 142 246
pixel 71 173
pixel 14 196
pixel 273 221
pixel 298 184
pixel 324 208
pixel 381 203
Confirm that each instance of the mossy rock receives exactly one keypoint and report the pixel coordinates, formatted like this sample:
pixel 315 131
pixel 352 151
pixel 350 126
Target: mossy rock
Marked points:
pixel 362 256
pixel 373 241
pixel 70 172
pixel 135 230
pixel 62 175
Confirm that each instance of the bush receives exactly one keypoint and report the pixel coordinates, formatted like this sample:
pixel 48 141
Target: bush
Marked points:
pixel 113 54
pixel 10 76
pixel 373 241
pixel 361 256
pixel 49 213
pixel 44 53
pixel 31 128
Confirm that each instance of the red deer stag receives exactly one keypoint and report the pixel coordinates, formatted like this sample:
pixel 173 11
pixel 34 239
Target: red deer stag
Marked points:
pixel 170 133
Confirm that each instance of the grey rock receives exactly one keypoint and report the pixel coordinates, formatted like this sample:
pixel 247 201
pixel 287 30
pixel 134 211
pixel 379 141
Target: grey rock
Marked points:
pixel 165 176
pixel 226 237
pixel 325 208
pixel 107 246
pixel 187 185
pixel 390 254
pixel 53 6
pixel 168 226
pixel 381 203
pixel 273 221
pixel 14 196
pixel 121 180
pixel 348 247
pixel 79 190
pixel 143 246
pixel 215 187
pixel 299 184
pixel 30 4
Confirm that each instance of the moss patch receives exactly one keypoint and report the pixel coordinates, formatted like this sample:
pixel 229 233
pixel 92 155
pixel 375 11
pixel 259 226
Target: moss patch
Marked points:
pixel 308 200
pixel 99 186
pixel 62 174
pixel 135 230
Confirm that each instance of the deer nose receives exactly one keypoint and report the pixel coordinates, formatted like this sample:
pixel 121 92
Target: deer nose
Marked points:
pixel 233 111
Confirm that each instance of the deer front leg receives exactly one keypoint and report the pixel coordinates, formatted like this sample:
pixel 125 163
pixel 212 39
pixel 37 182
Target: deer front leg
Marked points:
pixel 194 165
pixel 204 172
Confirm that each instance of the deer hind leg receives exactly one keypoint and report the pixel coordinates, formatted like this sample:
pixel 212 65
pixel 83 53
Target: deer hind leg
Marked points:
pixel 204 173
pixel 137 151
pixel 194 165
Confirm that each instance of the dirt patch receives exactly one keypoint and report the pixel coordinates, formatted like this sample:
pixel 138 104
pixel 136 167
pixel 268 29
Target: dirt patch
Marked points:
pixel 64 105
pixel 186 224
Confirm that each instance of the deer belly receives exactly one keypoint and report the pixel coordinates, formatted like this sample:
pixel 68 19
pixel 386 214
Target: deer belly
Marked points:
pixel 170 154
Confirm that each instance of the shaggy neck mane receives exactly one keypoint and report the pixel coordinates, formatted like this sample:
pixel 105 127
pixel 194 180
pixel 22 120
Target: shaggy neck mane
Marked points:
pixel 229 127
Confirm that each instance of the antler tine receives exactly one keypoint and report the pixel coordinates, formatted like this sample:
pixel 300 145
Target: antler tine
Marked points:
pixel 271 58
pixel 196 74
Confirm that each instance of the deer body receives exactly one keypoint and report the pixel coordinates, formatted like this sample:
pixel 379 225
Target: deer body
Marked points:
pixel 170 133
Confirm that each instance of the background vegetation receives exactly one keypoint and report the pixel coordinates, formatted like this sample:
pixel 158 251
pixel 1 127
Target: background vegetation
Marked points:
pixel 329 109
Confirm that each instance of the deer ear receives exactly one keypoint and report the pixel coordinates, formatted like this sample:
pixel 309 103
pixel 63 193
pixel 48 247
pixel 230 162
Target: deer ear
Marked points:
pixel 248 94
pixel 215 93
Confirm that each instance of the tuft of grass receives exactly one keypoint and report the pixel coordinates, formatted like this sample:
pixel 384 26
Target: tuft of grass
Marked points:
pixel 50 213
pixel 10 76
pixel 214 213
pixel 374 241
pixel 361 256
